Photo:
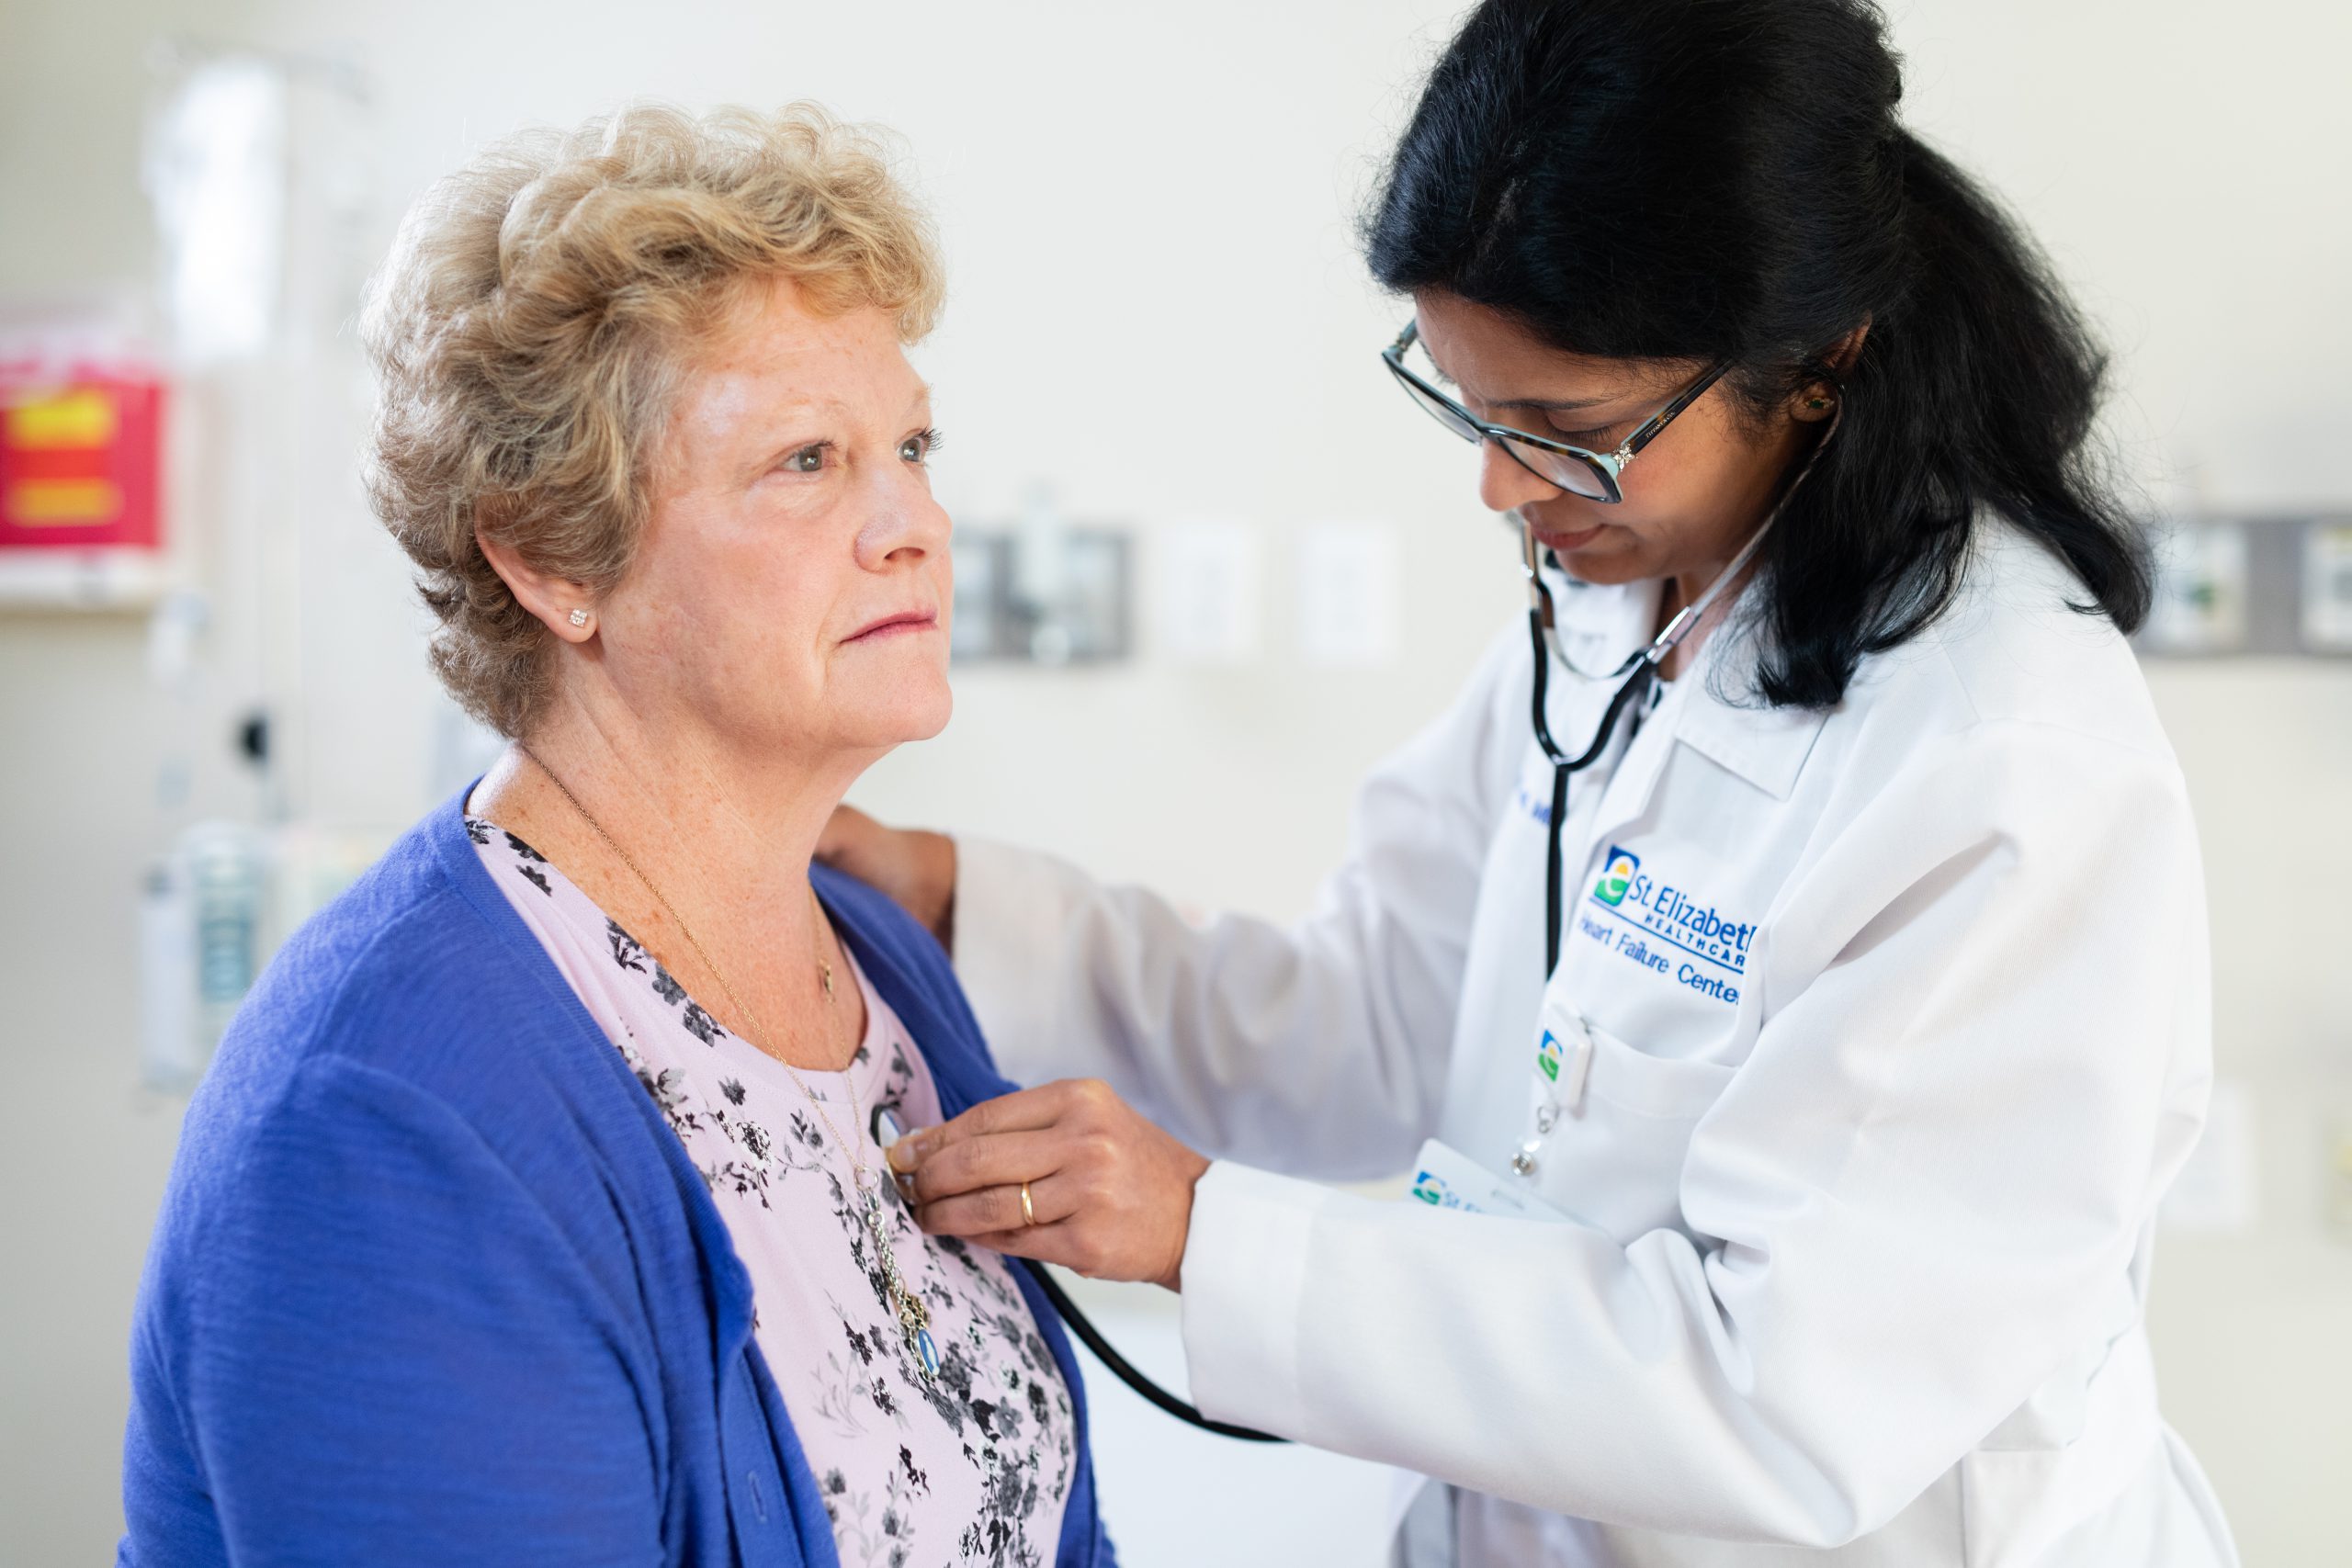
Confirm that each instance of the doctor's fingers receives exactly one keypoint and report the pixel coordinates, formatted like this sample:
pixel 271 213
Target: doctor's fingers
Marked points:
pixel 1075 1100
pixel 1067 1243
pixel 994 1159
pixel 992 1210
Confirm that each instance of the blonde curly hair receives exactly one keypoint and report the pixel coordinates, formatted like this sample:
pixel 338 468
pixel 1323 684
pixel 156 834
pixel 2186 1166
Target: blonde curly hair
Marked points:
pixel 534 321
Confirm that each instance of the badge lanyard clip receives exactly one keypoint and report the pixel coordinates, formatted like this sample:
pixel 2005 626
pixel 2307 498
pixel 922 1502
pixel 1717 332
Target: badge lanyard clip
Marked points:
pixel 1563 1061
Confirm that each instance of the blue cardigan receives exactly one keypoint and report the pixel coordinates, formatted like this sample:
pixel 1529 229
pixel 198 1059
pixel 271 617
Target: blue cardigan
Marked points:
pixel 434 1283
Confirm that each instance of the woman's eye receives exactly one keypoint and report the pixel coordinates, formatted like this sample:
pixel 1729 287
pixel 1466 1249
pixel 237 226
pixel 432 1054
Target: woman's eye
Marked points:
pixel 918 447
pixel 809 459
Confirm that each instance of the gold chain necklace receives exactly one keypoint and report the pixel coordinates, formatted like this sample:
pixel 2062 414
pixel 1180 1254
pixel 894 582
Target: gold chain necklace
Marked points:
pixel 913 1315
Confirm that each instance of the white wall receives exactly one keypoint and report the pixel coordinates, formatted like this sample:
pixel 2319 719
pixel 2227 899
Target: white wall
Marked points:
pixel 1148 209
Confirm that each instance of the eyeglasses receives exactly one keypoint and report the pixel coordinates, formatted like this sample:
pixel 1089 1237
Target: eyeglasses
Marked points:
pixel 1593 475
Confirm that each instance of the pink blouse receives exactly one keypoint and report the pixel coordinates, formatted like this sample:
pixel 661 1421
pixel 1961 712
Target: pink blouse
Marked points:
pixel 973 1465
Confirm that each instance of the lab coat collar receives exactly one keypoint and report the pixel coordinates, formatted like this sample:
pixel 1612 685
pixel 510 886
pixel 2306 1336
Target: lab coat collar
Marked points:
pixel 1602 626
pixel 1723 720
pixel 1766 746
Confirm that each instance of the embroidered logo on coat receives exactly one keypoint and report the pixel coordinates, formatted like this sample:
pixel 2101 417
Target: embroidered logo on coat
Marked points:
pixel 1616 877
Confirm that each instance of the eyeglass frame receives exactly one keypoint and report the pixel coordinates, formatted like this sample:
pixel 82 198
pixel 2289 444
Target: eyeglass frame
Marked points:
pixel 1606 465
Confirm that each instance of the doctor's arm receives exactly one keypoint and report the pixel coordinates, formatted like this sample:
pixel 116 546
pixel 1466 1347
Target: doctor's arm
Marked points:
pixel 1319 1048
pixel 1912 1205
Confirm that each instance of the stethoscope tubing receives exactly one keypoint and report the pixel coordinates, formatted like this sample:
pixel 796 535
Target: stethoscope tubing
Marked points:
pixel 1126 1371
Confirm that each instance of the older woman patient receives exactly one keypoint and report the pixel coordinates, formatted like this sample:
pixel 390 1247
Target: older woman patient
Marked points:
pixel 531 1211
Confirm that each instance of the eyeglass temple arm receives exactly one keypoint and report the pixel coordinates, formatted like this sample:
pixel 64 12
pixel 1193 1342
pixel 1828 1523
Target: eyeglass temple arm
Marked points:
pixel 1665 416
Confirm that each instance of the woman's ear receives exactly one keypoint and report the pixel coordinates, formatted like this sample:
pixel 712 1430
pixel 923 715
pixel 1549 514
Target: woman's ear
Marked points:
pixel 561 605
pixel 1817 400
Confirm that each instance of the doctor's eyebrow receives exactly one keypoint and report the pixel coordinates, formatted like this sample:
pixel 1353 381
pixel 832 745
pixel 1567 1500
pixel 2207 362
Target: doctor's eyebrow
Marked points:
pixel 1553 405
pixel 1540 405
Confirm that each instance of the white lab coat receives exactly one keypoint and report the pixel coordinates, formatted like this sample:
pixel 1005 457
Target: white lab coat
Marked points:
pixel 1899 1033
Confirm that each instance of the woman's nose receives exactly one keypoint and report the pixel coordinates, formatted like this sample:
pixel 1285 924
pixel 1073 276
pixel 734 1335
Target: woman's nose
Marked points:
pixel 906 521
pixel 1505 482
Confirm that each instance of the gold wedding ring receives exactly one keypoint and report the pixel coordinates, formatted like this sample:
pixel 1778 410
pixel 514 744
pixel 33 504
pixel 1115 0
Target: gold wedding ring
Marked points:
pixel 1028 1209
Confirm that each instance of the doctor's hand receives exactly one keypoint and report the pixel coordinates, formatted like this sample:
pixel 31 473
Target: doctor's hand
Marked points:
pixel 1110 1194
pixel 916 868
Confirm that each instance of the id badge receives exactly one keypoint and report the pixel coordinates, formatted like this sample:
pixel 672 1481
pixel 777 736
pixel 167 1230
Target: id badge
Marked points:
pixel 1563 1055
pixel 1445 1178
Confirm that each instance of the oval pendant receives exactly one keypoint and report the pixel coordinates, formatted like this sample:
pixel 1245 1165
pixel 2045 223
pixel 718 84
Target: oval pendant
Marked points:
pixel 927 1349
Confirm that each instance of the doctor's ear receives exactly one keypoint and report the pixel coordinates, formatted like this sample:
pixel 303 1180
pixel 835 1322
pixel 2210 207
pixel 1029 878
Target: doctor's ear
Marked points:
pixel 564 606
pixel 1817 399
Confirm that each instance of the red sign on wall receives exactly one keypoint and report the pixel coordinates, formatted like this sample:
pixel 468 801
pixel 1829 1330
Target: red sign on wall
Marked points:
pixel 80 462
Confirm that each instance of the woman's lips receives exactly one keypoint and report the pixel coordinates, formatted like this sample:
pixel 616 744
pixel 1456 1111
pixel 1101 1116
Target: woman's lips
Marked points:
pixel 897 625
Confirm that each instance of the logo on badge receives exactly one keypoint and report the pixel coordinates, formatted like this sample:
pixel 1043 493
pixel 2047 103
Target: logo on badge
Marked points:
pixel 1616 877
pixel 1548 1056
pixel 1430 1188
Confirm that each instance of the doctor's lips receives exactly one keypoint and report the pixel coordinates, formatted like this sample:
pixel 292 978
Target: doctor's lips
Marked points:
pixel 899 623
pixel 1563 539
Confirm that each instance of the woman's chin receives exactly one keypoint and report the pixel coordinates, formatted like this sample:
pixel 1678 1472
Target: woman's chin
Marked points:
pixel 932 719
pixel 915 709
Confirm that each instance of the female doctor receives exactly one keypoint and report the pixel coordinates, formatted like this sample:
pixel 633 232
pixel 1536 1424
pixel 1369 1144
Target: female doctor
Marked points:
pixel 1793 940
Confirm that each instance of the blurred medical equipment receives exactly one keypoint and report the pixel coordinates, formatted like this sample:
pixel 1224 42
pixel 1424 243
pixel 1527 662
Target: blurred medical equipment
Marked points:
pixel 272 760
pixel 2276 586
pixel 1043 590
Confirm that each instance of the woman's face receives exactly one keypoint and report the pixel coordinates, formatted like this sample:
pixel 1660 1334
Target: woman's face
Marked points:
pixel 793 587
pixel 1691 497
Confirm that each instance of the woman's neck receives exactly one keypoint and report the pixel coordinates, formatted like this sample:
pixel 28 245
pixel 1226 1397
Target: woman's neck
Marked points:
pixel 701 852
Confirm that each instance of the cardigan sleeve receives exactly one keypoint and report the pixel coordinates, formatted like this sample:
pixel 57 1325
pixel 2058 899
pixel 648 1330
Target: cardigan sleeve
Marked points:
pixel 378 1347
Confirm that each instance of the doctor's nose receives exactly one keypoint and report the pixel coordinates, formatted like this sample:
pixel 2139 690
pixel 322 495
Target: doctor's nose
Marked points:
pixel 1504 482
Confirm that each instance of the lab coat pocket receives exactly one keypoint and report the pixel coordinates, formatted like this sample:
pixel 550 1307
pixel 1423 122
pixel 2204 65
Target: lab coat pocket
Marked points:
pixel 1614 1159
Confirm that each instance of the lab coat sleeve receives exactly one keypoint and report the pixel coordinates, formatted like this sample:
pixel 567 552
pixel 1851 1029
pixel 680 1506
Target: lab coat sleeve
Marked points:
pixel 1983 1053
pixel 1319 1048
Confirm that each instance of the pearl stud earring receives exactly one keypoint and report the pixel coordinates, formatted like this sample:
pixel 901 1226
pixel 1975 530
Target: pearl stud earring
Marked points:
pixel 579 617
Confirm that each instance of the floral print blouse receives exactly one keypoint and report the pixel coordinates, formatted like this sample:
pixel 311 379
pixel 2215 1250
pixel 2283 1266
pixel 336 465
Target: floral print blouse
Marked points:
pixel 972 1467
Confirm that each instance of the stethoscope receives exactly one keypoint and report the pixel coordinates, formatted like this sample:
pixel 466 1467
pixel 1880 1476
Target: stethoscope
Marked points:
pixel 1638 674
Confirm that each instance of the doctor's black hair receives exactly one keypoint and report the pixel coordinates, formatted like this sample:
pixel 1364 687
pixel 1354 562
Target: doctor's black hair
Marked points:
pixel 1727 179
